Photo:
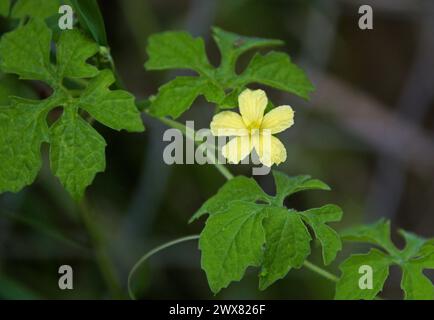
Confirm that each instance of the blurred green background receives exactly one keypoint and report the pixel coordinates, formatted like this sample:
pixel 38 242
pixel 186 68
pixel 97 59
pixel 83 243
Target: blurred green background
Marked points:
pixel 368 132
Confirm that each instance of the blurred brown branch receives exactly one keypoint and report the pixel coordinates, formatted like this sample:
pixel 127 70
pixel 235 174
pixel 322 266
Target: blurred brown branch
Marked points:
pixel 370 120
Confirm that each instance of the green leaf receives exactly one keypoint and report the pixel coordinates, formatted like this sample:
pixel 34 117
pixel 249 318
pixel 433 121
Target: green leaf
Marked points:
pixel 176 96
pixel 232 46
pixel 230 101
pixel 240 203
pixel 417 255
pixel 238 188
pixel 276 70
pixel 35 8
pixel 415 284
pixel 286 186
pixel 11 86
pixel 77 153
pixel 348 287
pixel 115 109
pixel 22 131
pixel 77 150
pixel 377 234
pixel 426 249
pixel 72 52
pixel 26 52
pixel 413 245
pixel 222 85
pixel 231 242
pixel 90 18
pixel 328 237
pixel 177 50
pixel 4 7
pixel 287 245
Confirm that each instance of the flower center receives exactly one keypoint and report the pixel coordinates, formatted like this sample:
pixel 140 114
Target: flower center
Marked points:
pixel 254 127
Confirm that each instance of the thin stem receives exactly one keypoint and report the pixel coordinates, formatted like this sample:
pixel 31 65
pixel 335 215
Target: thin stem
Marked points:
pixel 174 124
pixel 150 254
pixel 320 271
pixel 102 257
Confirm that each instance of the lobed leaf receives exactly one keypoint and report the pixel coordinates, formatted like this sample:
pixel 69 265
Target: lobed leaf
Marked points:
pixel 286 186
pixel 231 242
pixel 23 129
pixel 26 52
pixel 287 245
pixel 415 284
pixel 287 239
pixel 413 245
pixel 176 96
pixel 377 234
pixel 177 50
pixel 276 70
pixel 417 255
pixel 77 153
pixel 348 286
pixel 72 52
pixel 115 109
pixel 232 46
pixel 330 241
pixel 426 249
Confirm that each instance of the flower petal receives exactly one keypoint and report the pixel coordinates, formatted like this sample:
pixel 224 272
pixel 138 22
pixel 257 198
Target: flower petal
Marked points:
pixel 237 149
pixel 252 106
pixel 228 123
pixel 270 150
pixel 278 119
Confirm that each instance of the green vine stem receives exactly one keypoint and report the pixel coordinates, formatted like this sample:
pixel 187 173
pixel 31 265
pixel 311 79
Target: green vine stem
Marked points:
pixel 102 257
pixel 150 254
pixel 320 271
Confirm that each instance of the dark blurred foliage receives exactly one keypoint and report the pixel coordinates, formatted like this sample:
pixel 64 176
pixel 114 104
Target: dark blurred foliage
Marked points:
pixel 368 132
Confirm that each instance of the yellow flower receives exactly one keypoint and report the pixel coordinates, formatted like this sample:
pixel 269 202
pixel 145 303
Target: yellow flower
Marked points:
pixel 252 129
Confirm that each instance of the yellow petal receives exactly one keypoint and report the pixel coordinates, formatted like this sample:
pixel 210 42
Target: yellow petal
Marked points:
pixel 228 123
pixel 270 150
pixel 252 106
pixel 278 119
pixel 237 149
